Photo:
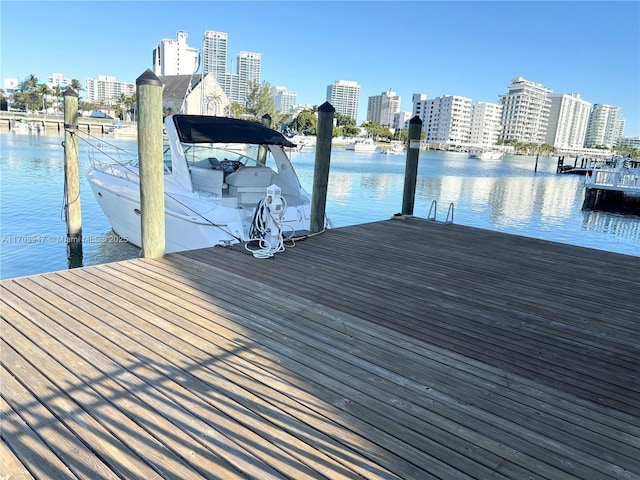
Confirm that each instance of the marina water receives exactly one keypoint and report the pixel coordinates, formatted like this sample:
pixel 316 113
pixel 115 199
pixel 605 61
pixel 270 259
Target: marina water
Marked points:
pixel 502 195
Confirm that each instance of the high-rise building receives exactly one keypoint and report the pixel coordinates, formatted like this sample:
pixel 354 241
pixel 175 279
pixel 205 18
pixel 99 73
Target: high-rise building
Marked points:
pixel 58 80
pixel 175 57
pixel 485 123
pixel 381 108
pixel 214 54
pixel 107 89
pixel 283 99
pixel 401 120
pixel 605 126
pixel 568 119
pixel 344 96
pixel 214 60
pixel 249 65
pixel 525 112
pixel 445 119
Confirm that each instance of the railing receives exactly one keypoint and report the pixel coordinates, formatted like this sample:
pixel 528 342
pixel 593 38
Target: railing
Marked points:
pixel 619 179
pixel 433 210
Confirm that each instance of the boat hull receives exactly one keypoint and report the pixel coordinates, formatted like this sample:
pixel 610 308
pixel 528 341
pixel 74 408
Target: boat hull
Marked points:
pixel 205 223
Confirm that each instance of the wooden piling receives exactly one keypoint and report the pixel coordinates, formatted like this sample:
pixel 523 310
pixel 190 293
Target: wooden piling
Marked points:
pixel 411 167
pixel 262 150
pixel 324 136
pixel 73 214
pixel 149 95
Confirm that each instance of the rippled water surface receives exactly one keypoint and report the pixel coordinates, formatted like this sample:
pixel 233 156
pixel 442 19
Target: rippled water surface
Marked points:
pixel 504 195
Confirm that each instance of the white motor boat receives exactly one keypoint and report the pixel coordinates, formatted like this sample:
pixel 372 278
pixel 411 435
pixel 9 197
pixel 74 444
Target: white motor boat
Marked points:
pixel 486 154
pixel 214 195
pixel 362 145
pixel 396 148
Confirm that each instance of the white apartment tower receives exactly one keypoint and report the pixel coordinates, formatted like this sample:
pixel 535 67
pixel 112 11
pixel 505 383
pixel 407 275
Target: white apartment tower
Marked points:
pixel 249 65
pixel 401 120
pixel 381 108
pixel 344 95
pixel 568 119
pixel 214 60
pixel 445 119
pixel 58 80
pixel 107 89
pixel 214 54
pixel 525 112
pixel 175 57
pixel 283 99
pixel 485 123
pixel 605 126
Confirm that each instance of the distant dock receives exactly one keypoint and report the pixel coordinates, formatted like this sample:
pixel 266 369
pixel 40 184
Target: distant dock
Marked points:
pixel 615 188
pixel 53 123
pixel 402 349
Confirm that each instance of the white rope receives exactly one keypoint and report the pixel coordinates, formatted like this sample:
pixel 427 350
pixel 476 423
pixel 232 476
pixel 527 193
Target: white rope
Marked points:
pixel 266 230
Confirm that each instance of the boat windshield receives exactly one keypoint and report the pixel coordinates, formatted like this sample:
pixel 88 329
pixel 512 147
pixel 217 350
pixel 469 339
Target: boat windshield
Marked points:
pixel 223 156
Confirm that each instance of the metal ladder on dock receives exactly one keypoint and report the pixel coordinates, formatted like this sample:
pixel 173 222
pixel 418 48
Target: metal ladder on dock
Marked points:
pixel 432 212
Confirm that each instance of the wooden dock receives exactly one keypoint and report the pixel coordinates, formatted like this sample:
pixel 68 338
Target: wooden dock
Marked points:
pixel 398 349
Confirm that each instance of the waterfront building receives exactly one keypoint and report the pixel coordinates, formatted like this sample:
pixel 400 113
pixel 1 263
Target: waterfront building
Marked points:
pixel 283 99
pixel 106 89
pixel 344 96
pixel 214 54
pixel 381 108
pixel 418 103
pixel 605 126
pixel 401 120
pixel 445 119
pixel 248 71
pixel 58 80
pixel 525 112
pixel 631 142
pixel 486 120
pixel 214 60
pixel 175 57
pixel 568 119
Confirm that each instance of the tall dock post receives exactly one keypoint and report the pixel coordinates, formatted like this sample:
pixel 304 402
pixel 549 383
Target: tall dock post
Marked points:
pixel 411 167
pixel 149 95
pixel 262 150
pixel 72 210
pixel 324 134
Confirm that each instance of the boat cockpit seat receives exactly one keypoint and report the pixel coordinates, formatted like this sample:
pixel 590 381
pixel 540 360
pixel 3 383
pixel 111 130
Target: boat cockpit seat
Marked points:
pixel 249 184
pixel 206 179
pixel 250 177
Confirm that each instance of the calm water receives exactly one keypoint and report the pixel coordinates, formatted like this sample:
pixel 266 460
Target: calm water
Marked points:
pixel 504 195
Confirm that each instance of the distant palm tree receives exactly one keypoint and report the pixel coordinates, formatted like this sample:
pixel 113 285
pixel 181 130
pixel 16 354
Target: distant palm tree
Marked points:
pixel 57 92
pixel 30 83
pixel 44 91
pixel 76 85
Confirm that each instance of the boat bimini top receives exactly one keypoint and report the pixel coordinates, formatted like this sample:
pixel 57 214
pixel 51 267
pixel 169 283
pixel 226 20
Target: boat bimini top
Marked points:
pixel 207 129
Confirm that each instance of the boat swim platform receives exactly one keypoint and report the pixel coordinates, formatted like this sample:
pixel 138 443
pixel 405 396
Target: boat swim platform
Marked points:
pixel 403 349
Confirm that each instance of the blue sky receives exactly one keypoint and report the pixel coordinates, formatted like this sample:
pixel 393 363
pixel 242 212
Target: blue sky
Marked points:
pixel 472 49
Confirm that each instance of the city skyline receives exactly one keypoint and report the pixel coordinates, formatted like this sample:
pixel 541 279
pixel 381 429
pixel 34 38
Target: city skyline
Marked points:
pixel 472 49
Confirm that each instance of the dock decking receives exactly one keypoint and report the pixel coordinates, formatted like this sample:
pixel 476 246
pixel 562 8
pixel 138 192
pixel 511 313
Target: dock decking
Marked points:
pixel 397 349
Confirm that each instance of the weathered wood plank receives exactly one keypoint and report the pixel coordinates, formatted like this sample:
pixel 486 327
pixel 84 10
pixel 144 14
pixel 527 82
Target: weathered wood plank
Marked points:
pixel 399 349
pixel 571 438
pixel 476 330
